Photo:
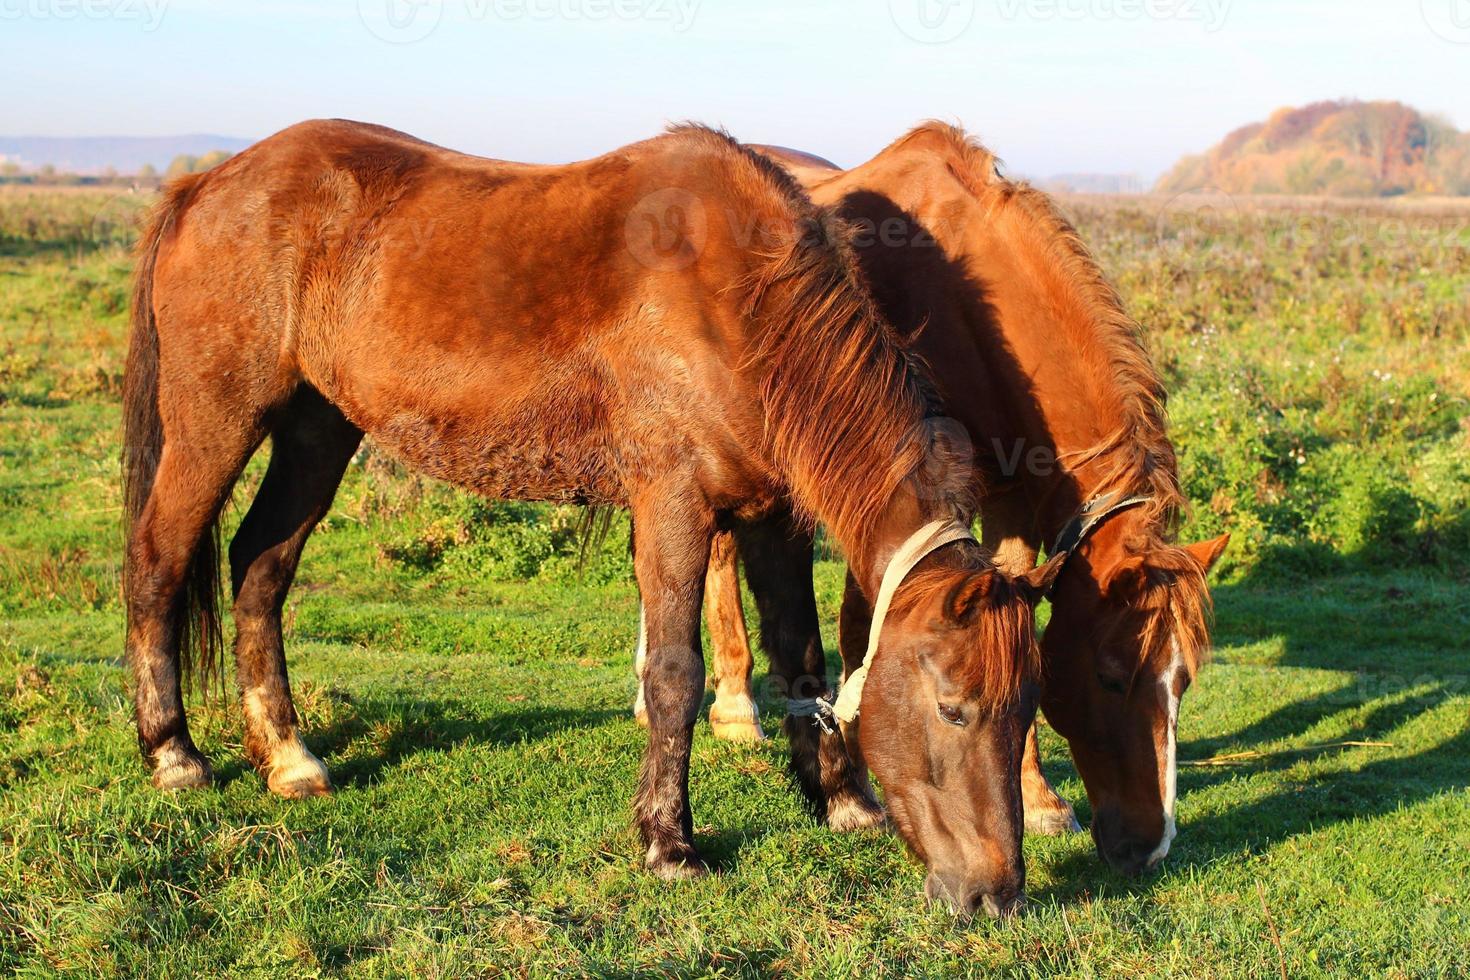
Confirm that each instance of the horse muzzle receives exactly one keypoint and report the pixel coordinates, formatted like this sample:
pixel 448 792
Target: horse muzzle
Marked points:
pixel 966 898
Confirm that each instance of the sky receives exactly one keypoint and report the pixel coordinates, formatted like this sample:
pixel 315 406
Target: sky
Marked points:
pixel 1053 86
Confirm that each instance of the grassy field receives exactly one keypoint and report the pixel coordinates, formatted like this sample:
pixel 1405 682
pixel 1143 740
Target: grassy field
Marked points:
pixel 468 683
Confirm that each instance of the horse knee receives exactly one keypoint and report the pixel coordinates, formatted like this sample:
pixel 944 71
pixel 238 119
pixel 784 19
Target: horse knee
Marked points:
pixel 673 686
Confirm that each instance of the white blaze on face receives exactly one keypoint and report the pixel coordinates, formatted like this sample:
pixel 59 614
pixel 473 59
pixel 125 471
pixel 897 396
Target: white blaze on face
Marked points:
pixel 1168 686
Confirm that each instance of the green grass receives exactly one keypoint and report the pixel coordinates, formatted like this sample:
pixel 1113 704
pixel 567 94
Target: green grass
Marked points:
pixel 468 685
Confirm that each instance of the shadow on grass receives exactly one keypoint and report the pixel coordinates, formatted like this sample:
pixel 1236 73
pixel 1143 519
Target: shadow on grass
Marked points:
pixel 1399 632
pixel 1304 806
pixel 363 737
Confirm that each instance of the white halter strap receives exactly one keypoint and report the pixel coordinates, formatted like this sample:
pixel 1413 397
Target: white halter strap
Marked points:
pixel 914 549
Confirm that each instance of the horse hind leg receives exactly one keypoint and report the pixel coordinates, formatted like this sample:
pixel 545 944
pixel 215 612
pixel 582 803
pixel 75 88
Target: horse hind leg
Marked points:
pixel 311 446
pixel 640 657
pixel 170 567
pixel 1046 812
pixel 734 715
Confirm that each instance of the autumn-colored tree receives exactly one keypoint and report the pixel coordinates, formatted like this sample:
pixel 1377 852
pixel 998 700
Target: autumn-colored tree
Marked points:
pixel 1346 148
pixel 182 164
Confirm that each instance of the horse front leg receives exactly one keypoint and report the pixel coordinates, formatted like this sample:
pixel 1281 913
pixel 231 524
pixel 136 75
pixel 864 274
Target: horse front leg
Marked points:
pixel 734 715
pixel 1046 812
pixel 671 553
pixel 854 620
pixel 778 567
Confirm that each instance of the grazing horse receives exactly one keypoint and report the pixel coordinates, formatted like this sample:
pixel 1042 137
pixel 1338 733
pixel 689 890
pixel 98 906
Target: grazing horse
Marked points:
pixel 673 327
pixel 1043 371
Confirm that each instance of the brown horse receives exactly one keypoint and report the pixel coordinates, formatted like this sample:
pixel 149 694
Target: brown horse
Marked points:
pixel 674 328
pixel 1044 374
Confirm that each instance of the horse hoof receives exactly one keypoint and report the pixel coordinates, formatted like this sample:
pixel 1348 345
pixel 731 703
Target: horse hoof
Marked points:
pixel 735 718
pixel 299 776
pixel 678 864
pixel 737 731
pixel 854 813
pixel 641 717
pixel 178 769
pixel 1052 823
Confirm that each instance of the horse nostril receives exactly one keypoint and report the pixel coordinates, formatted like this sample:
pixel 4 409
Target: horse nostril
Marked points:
pixel 1128 858
pixel 1003 904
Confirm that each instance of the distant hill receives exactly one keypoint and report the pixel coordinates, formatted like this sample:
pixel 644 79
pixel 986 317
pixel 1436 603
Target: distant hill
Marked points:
pixel 1093 184
pixel 95 154
pixel 1341 148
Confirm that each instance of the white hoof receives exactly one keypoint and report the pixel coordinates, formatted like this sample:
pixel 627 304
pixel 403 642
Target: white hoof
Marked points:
pixel 297 774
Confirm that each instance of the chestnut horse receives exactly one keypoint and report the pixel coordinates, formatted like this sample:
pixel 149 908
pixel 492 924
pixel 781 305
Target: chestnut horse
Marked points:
pixel 1043 371
pixel 607 332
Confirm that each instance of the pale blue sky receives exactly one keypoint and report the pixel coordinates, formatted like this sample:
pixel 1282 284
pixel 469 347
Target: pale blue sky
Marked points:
pixel 1052 85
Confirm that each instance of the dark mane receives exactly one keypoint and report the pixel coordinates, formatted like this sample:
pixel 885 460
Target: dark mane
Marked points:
pixel 844 398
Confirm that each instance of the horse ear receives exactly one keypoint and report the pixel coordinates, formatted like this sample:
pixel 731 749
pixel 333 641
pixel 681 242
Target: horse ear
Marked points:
pixel 1125 581
pixel 966 598
pixel 1208 552
pixel 1035 584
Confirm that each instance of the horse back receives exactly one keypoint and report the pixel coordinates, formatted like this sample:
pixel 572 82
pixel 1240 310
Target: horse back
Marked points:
pixel 540 332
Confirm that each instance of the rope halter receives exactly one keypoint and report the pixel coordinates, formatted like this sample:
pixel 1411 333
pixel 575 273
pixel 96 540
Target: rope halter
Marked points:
pixel 915 548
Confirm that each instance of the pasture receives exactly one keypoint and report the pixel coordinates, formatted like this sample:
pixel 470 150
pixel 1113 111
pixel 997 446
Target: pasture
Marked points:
pixel 466 674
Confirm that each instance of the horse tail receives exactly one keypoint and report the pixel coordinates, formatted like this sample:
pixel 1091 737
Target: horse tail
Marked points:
pixel 198 623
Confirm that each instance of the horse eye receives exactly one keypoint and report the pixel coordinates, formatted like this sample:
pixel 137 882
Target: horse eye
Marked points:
pixel 951 715
pixel 1112 684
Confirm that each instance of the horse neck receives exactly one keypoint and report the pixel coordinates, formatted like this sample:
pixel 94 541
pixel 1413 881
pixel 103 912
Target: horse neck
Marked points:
pixel 1065 397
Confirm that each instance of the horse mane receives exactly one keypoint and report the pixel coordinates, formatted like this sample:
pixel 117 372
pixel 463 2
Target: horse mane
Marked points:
pixel 1137 458
pixel 1140 456
pixel 1005 622
pixel 1178 608
pixel 844 396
